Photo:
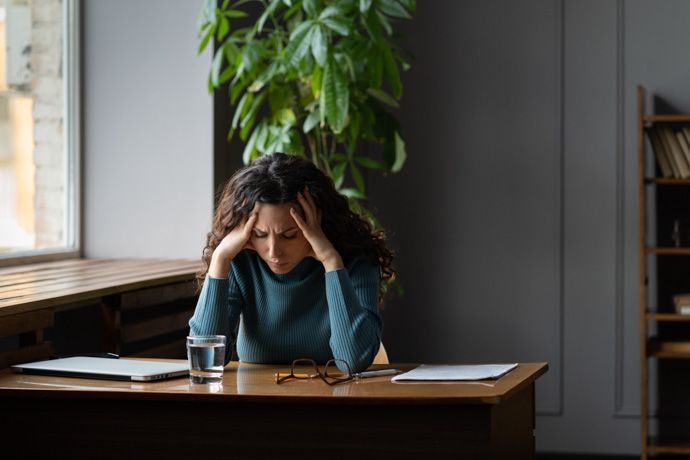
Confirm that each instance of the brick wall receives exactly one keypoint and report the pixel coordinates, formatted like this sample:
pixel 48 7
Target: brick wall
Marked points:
pixel 47 91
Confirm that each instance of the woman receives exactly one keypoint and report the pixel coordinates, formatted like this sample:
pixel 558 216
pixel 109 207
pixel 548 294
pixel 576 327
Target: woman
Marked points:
pixel 303 271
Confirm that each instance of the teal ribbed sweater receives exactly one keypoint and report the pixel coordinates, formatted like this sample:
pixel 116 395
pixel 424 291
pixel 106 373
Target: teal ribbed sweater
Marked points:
pixel 302 314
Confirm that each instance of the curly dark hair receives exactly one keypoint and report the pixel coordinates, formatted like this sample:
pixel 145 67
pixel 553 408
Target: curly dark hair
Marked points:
pixel 276 179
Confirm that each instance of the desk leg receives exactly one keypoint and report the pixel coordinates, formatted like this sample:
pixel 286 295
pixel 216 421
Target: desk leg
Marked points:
pixel 512 426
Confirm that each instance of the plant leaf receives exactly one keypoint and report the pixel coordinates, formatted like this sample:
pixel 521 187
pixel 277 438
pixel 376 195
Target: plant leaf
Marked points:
pixel 319 46
pixel 352 193
pixel 300 29
pixel 223 28
pixel 400 153
pixel 357 176
pixel 299 46
pixel 240 109
pixel 316 76
pixel 235 14
pixel 392 8
pixel 334 10
pixel 385 22
pixel 251 55
pixel 216 65
pixel 250 148
pixel 296 147
pixel 262 136
pixel 225 75
pixel 391 69
pixel 338 25
pixel 293 9
pixel 256 103
pixel 375 67
pixel 236 88
pixel 335 95
pixel 338 173
pixel 285 116
pixel 355 123
pixel 311 121
pixel 267 12
pixel 311 8
pixel 265 77
pixel 364 5
pixel 208 10
pixel 373 26
pixel 383 97
pixel 202 20
pixel 369 163
pixel 206 39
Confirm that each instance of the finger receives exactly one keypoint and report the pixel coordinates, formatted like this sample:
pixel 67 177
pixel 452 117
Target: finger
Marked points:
pixel 249 223
pixel 306 208
pixel 309 198
pixel 317 211
pixel 307 203
pixel 298 219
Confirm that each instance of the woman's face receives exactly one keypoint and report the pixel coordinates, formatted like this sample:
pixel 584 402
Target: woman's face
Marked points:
pixel 277 238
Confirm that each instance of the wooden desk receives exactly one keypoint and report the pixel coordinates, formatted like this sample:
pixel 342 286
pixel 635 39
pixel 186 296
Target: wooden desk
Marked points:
pixel 252 417
pixel 29 295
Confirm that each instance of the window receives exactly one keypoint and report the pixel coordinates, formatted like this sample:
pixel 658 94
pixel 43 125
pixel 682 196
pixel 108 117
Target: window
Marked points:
pixel 38 128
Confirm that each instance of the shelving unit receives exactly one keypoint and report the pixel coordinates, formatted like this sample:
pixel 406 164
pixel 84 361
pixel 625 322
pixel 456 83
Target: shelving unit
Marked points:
pixel 664 335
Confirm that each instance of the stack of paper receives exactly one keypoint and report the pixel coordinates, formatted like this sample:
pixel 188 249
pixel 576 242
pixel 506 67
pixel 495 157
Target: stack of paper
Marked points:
pixel 456 372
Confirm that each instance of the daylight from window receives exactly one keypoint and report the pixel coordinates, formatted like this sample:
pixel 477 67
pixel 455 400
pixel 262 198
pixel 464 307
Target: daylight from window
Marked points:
pixel 33 159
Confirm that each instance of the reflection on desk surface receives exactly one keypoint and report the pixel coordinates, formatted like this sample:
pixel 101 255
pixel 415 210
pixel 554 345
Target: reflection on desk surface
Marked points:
pixel 257 381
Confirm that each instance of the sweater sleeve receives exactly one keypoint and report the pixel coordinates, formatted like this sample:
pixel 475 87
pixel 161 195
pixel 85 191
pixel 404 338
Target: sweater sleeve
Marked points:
pixel 218 311
pixel 356 324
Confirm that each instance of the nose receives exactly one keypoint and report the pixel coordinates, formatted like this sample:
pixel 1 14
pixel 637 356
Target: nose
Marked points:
pixel 274 248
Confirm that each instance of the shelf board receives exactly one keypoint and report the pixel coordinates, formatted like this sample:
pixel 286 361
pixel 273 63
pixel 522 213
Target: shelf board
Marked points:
pixel 666 118
pixel 663 180
pixel 661 349
pixel 669 445
pixel 667 250
pixel 666 317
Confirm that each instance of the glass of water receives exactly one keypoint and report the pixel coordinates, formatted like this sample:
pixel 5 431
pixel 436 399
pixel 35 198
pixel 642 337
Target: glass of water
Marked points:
pixel 206 355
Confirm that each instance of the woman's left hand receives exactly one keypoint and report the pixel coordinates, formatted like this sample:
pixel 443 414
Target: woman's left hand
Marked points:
pixel 321 248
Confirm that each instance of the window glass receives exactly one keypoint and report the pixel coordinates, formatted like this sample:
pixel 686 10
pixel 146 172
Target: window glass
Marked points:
pixel 37 106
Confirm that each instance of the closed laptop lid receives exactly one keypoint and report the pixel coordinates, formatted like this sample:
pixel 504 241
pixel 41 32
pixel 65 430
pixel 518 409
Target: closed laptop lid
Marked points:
pixel 105 368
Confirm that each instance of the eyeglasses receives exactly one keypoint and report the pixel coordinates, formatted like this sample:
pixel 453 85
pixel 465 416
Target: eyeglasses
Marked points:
pixel 332 374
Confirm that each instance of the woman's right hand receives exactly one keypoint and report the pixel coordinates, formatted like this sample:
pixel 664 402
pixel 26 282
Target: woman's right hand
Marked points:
pixel 231 245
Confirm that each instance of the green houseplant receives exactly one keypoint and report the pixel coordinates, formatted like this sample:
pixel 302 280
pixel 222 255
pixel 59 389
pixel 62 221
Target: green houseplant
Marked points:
pixel 313 77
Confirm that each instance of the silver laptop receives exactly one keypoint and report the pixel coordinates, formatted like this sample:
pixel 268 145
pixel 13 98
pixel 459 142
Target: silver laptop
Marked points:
pixel 105 368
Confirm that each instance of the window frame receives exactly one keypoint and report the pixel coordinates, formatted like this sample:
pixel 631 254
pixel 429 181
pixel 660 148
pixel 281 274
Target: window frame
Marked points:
pixel 72 142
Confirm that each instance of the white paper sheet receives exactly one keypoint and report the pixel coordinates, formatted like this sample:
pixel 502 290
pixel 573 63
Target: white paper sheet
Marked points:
pixel 456 372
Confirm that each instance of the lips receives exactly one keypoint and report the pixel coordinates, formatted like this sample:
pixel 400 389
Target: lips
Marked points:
pixel 277 264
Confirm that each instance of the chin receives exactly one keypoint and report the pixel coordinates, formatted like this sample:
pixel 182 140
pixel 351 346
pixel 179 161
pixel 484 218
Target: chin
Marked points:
pixel 282 270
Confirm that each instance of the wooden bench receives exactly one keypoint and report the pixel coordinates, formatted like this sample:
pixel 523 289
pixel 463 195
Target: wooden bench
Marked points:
pixel 140 299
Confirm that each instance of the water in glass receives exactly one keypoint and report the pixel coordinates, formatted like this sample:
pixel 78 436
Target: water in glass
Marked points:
pixel 206 362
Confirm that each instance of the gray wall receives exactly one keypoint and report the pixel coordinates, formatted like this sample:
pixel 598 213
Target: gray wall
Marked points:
pixel 514 220
pixel 147 127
